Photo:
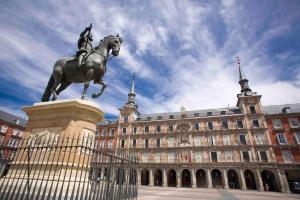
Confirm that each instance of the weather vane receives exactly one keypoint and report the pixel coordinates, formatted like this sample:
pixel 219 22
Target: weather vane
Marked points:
pixel 238 59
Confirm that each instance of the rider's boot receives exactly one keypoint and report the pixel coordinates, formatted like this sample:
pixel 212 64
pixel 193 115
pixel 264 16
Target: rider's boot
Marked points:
pixel 80 59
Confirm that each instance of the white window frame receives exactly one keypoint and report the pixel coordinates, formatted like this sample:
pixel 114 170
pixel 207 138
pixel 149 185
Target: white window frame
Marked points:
pixel 198 156
pixel 297 137
pixel 286 141
pixel 287 156
pixel 159 128
pixel 228 156
pixel 211 140
pixel 159 143
pixel 197 140
pixel 260 138
pixel 227 139
pixel 277 123
pixel 198 124
pixel 267 154
pixel 249 154
pixel 171 142
pixel 171 157
pixel 157 157
pixel 295 120
pixel 4 128
pixel 257 121
pixel 246 138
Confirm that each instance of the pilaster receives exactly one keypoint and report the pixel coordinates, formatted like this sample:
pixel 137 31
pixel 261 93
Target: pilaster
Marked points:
pixel 209 182
pixel 225 179
pixel 194 183
pixel 242 178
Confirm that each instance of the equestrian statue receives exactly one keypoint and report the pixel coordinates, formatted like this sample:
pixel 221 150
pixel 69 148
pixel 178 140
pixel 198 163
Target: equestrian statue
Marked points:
pixel 88 64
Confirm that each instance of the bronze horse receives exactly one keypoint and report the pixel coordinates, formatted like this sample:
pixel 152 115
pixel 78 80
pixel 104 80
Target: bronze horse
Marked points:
pixel 67 71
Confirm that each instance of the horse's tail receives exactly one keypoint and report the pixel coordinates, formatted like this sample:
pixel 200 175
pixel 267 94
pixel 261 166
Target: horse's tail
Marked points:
pixel 47 93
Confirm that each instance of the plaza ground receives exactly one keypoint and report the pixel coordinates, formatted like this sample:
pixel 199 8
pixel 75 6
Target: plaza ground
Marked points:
pixel 158 193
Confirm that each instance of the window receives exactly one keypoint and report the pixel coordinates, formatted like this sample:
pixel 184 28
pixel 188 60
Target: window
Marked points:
pixel 237 111
pixel 260 138
pixel 239 124
pixel 146 129
pixel 122 143
pixel 297 138
pixel 157 157
pixel 226 139
pixel 197 140
pixel 158 129
pixel 183 116
pixel 252 109
pixel 294 123
pixel 171 126
pixel 224 124
pixel 1 139
pixel 125 118
pixel 196 126
pixel 171 116
pixel 212 140
pixel 255 123
pixel 263 156
pixel 15 132
pixel 157 142
pixel 112 132
pixel 242 139
pixel 104 132
pixel 4 128
pixel 159 117
pixel 281 138
pixel 210 125
pixel 134 143
pixel 124 131
pixel 146 143
pixel 170 142
pixel 228 156
pixel 198 156
pixel 246 157
pixel 214 156
pixel 134 130
pixel 223 112
pixel 196 114
pixel 145 157
pixel 171 157
pixel 209 113
pixel 149 118
pixel 287 156
pixel 277 123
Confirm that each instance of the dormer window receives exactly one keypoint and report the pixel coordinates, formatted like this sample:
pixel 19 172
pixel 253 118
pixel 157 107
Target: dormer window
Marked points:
pixel 223 112
pixel 209 113
pixel 159 117
pixel 149 118
pixel 196 114
pixel 252 110
pixel 171 116
pixel 183 116
pixel 125 118
pixel 286 110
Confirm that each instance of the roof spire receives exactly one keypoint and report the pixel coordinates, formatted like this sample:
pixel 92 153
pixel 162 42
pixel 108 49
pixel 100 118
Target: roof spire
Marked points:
pixel 132 84
pixel 131 94
pixel 243 80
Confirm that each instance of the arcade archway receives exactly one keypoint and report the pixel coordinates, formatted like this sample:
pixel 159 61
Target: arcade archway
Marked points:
pixel 145 177
pixel 186 178
pixel 250 180
pixel 158 177
pixel 269 181
pixel 216 177
pixel 233 179
pixel 201 178
pixel 172 178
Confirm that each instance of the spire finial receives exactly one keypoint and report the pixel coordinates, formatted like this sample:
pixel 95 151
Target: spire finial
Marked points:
pixel 132 84
pixel 238 60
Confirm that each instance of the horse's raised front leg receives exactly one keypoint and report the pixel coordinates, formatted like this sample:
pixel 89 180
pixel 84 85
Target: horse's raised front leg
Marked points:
pixel 104 85
pixel 86 85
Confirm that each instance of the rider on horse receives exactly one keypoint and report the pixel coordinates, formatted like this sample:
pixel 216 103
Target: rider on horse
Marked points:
pixel 84 44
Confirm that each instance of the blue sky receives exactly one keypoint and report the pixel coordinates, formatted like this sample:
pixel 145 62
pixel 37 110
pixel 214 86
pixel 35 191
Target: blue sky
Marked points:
pixel 183 52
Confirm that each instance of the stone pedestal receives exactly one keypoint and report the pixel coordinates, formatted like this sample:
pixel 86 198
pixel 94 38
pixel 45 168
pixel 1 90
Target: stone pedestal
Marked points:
pixel 56 152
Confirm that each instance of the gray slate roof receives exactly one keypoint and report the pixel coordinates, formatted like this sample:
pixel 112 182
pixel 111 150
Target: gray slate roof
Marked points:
pixel 12 118
pixel 277 109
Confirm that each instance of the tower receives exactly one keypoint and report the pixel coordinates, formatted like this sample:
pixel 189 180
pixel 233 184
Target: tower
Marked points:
pixel 243 81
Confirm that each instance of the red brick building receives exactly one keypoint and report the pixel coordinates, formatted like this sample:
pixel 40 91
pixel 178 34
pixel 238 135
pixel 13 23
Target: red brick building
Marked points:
pixel 283 123
pixel 11 132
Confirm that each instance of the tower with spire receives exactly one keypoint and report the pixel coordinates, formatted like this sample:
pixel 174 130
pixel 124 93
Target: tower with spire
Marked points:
pixel 131 95
pixel 243 81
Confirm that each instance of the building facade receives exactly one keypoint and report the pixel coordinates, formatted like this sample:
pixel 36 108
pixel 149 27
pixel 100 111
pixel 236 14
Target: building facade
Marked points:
pixel 214 148
pixel 11 132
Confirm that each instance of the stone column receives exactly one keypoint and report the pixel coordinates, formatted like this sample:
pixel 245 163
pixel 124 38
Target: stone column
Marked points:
pixel 165 180
pixel 242 180
pixel 151 178
pixel 139 177
pixel 209 182
pixel 194 182
pixel 178 178
pixel 260 185
pixel 225 179
pixel 282 185
pixel 285 182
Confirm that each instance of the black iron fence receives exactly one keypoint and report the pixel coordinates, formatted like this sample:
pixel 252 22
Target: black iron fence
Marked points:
pixel 49 168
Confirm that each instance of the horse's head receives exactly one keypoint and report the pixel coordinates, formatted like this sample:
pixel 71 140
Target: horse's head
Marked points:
pixel 114 43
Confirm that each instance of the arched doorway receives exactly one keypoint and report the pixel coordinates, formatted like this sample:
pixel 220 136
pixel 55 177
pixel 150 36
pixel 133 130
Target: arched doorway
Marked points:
pixel 216 178
pixel 172 178
pixel 269 181
pixel 201 178
pixel 120 176
pixel 250 180
pixel 233 179
pixel 186 178
pixel 132 176
pixel 158 177
pixel 145 177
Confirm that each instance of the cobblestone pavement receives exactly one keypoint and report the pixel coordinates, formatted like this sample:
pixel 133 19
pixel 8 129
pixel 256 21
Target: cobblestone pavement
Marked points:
pixel 158 193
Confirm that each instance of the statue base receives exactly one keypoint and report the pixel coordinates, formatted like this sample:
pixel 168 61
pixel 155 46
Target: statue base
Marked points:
pixel 56 152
